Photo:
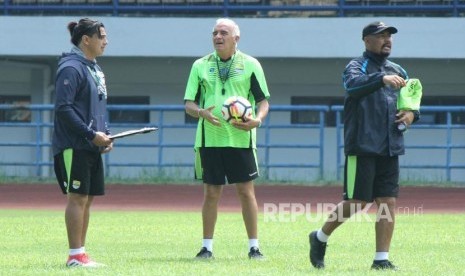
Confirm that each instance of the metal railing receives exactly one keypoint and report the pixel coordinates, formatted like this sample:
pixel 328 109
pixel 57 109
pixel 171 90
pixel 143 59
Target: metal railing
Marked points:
pixel 228 8
pixel 38 124
pixel 41 143
pixel 315 144
pixel 41 124
pixel 448 145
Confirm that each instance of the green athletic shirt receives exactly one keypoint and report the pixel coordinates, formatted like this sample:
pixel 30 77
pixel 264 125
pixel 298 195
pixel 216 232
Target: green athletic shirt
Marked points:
pixel 204 86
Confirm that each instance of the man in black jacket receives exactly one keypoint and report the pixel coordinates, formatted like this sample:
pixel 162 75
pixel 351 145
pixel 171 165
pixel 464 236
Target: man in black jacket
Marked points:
pixel 80 133
pixel 372 143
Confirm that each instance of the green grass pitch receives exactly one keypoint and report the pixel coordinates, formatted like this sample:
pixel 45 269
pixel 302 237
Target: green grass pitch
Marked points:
pixel 164 243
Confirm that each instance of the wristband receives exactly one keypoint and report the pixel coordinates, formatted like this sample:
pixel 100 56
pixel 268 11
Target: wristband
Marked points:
pixel 260 122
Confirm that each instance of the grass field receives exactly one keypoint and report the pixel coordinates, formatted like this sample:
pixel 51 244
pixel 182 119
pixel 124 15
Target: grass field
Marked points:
pixel 164 243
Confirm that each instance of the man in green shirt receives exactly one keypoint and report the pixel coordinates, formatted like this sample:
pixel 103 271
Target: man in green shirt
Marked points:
pixel 226 152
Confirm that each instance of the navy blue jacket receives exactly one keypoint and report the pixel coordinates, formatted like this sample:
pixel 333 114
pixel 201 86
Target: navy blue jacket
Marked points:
pixel 80 104
pixel 370 107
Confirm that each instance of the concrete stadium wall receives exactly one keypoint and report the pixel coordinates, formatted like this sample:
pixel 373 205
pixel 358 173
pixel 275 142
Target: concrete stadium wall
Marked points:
pixel 261 37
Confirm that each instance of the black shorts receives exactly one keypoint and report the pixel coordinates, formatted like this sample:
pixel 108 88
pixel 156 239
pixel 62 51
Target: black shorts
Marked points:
pixel 80 172
pixel 234 165
pixel 369 177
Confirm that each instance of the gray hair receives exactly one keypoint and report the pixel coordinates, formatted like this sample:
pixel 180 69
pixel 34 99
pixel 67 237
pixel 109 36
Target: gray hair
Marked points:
pixel 229 22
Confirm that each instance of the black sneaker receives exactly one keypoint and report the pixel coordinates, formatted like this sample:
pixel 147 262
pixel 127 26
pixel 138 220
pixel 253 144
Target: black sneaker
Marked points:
pixel 255 253
pixel 204 254
pixel 317 251
pixel 383 264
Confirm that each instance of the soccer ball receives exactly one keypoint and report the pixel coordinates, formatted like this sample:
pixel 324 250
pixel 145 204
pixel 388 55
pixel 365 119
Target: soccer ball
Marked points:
pixel 236 107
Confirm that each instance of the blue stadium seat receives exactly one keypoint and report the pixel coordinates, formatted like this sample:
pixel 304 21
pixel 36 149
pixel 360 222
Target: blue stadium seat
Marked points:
pixel 48 2
pixel 23 2
pixel 199 2
pixel 319 2
pixel 249 2
pixel 402 2
pixel 148 2
pixel 173 2
pixel 432 2
pixel 126 2
pixel 99 2
pixel 376 2
pixel 353 2
pixel 74 2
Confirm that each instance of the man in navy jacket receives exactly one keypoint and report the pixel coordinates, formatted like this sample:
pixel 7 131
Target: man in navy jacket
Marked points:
pixel 372 143
pixel 80 132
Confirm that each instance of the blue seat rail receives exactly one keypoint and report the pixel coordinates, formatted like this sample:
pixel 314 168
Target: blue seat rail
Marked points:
pixel 341 8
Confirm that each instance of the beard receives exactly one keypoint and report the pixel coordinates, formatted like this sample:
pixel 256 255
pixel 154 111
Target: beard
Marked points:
pixel 385 54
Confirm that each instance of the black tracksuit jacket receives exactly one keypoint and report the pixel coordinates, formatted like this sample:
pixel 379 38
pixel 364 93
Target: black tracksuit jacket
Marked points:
pixel 80 110
pixel 370 107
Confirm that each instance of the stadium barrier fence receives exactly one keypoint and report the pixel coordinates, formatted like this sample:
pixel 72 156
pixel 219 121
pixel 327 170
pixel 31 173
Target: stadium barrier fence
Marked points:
pixel 39 118
pixel 448 145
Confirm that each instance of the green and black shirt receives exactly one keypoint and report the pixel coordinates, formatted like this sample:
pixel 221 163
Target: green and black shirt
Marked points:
pixel 211 82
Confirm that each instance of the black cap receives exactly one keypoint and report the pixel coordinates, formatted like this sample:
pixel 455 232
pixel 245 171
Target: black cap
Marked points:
pixel 376 28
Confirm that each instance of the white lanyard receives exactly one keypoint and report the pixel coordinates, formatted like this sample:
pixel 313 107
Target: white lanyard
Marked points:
pixel 100 82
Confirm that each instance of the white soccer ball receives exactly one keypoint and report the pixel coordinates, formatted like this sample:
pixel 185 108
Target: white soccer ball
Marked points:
pixel 236 108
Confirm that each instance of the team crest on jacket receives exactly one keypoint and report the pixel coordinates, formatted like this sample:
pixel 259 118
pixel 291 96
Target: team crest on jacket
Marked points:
pixel 76 184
